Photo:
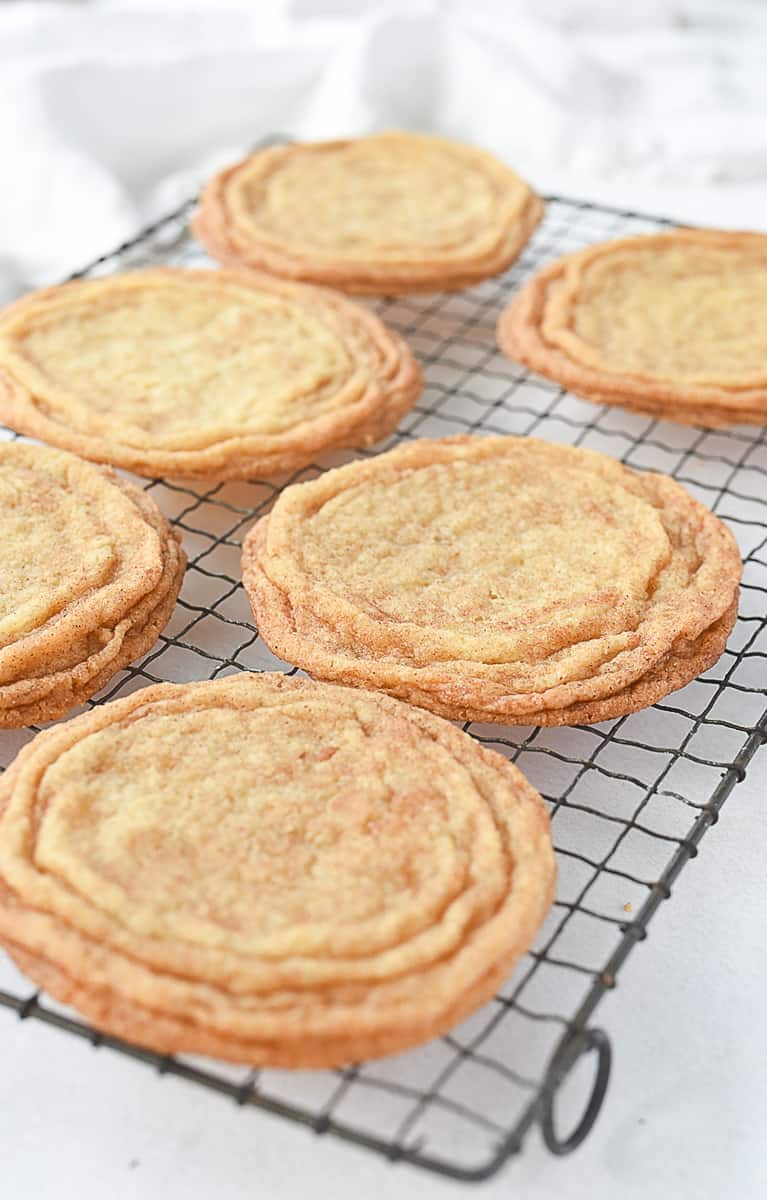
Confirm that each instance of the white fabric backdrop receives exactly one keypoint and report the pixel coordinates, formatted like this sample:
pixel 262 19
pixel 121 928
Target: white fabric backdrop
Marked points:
pixel 111 111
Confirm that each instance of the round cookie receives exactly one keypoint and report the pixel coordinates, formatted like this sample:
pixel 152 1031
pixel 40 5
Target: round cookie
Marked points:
pixel 210 374
pixel 665 324
pixel 89 570
pixel 496 579
pixel 269 870
pixel 393 212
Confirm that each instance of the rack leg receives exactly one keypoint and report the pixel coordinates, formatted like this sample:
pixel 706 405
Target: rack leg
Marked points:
pixel 570 1049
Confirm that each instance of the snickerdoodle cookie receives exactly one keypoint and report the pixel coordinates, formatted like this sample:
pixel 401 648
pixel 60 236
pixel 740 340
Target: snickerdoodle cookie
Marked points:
pixel 269 870
pixel 393 212
pixel 496 579
pixel 213 374
pixel 89 574
pixel 669 324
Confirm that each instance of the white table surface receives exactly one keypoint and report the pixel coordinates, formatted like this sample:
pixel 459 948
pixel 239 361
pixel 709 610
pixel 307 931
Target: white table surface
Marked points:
pixel 687 1105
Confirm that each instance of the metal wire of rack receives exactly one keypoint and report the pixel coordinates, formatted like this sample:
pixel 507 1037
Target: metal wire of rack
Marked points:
pixel 630 799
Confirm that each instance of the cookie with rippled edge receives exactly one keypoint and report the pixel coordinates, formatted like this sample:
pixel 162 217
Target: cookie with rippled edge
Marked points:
pixel 669 325
pixel 269 870
pixel 390 213
pixel 89 574
pixel 210 374
pixel 496 579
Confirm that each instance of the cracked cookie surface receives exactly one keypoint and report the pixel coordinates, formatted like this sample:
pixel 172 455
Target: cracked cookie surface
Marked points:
pixel 665 324
pixel 497 579
pixel 90 572
pixel 268 869
pixel 393 212
pixel 211 374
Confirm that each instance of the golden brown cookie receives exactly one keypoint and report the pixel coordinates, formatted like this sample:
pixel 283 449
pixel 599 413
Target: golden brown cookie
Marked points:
pixel 668 324
pixel 393 212
pixel 269 870
pixel 216 374
pixel 496 579
pixel 89 574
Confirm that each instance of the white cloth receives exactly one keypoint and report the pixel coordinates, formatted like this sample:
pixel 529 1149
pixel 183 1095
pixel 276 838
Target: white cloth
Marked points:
pixel 110 112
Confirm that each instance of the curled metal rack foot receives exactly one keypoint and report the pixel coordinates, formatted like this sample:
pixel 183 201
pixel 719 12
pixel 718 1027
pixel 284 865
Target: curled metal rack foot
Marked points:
pixel 570 1050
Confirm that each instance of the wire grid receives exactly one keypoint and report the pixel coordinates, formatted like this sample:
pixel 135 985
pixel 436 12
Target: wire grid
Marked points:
pixel 629 798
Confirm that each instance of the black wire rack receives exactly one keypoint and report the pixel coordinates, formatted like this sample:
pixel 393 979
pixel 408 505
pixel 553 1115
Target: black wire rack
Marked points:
pixel 630 799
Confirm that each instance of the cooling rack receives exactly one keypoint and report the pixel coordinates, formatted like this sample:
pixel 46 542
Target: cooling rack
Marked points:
pixel 630 799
